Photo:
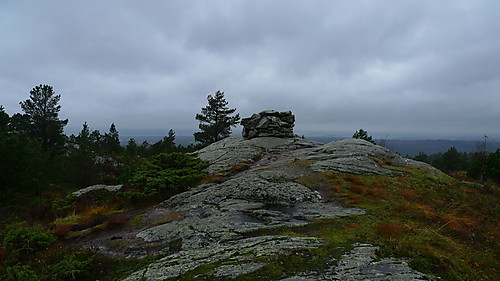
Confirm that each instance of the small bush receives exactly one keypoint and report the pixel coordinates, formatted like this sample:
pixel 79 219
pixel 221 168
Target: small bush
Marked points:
pixel 169 173
pixel 60 206
pixel 74 266
pixel 24 239
pixel 21 273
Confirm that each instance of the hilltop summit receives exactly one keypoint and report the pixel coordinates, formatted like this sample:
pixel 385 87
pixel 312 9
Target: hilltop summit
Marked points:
pixel 259 187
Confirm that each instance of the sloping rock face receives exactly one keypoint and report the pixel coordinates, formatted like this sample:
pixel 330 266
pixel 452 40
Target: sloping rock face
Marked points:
pixel 269 123
pixel 221 220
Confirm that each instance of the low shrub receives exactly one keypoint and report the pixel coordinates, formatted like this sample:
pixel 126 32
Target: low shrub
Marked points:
pixel 21 273
pixel 75 266
pixel 22 238
pixel 169 173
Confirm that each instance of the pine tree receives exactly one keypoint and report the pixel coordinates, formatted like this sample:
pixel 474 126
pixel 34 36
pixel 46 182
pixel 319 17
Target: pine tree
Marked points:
pixel 82 159
pixel 112 140
pixel 42 109
pixel 215 120
pixel 362 134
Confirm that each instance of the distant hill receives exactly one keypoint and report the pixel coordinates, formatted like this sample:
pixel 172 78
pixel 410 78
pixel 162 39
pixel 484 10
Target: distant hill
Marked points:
pixel 413 147
pixel 403 147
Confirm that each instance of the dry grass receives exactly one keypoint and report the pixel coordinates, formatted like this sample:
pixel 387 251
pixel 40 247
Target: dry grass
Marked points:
pixel 215 178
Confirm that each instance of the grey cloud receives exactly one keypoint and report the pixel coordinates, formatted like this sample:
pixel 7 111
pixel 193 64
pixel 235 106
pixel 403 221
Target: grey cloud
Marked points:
pixel 387 66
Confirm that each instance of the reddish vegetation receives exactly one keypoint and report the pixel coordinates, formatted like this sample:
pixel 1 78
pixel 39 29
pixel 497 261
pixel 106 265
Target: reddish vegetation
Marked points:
pixel 390 229
pixel 376 192
pixel 354 225
pixel 357 189
pixel 62 229
pixel 336 189
pixel 354 179
pixel 332 176
pixel 409 194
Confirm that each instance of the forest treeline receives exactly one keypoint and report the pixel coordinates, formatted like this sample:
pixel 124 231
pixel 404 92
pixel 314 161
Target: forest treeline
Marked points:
pixel 481 165
pixel 36 153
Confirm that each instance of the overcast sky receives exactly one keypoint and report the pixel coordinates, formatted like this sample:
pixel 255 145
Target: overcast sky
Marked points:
pixel 421 69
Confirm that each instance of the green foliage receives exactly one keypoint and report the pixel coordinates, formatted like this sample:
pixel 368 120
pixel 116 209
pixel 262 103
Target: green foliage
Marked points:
pixel 215 120
pixel 22 239
pixel 362 134
pixel 75 266
pixel 169 172
pixel 111 141
pixel 21 273
pixel 42 109
pixel 493 166
pixel 451 161
pixel 166 145
pixel 82 168
pixel 62 205
pixel 25 166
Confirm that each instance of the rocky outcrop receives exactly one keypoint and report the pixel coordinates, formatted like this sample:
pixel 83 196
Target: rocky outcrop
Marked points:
pixel 216 213
pixel 361 263
pixel 269 123
pixel 234 150
pixel 218 221
pixel 98 187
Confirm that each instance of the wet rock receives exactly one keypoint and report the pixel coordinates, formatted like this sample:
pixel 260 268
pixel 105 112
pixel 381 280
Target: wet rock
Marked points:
pixel 357 156
pixel 232 255
pixel 218 218
pixel 362 264
pixel 221 212
pixel 234 270
pixel 235 150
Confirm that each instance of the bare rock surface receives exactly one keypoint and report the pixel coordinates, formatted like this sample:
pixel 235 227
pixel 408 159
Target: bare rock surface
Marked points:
pixel 219 220
pixel 361 264
pixel 98 187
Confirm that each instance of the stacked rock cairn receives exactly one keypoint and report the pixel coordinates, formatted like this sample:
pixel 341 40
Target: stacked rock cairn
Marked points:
pixel 269 123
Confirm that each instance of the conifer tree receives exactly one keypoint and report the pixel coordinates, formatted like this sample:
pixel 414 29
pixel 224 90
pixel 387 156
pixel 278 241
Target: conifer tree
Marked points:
pixel 42 109
pixel 112 140
pixel 362 134
pixel 215 120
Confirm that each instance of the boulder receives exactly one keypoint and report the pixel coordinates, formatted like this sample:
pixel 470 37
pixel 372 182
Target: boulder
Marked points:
pixel 269 123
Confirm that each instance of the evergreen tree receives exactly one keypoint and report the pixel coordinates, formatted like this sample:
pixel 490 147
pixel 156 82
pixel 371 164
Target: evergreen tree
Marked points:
pixel 166 145
pixel 112 140
pixel 132 148
pixel 24 165
pixel 4 119
pixel 493 166
pixel 42 110
pixel 362 134
pixel 82 156
pixel 422 157
pixel 215 120
pixel 479 158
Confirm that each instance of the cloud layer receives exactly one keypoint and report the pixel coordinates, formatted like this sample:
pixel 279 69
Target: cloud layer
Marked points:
pixel 399 68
